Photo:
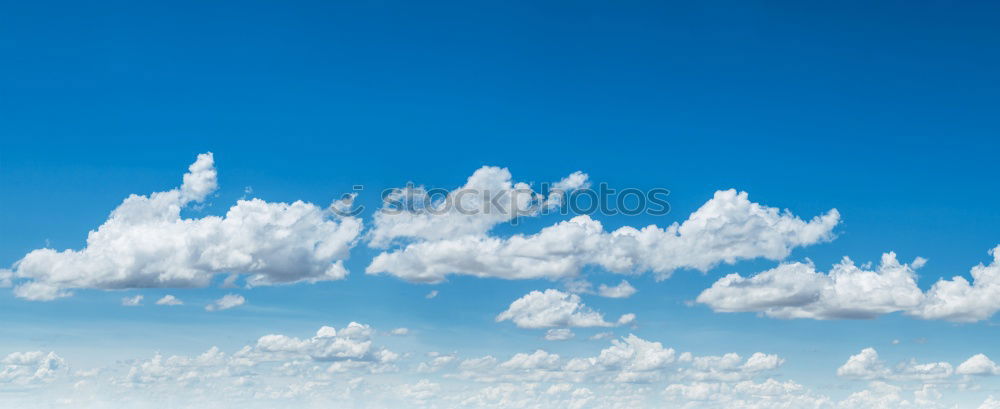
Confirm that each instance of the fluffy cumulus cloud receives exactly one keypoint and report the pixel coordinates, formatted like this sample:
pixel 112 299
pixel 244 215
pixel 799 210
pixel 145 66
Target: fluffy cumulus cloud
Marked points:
pixel 978 364
pixel 868 365
pixel 147 243
pixel 727 228
pixel 959 300
pixel 351 343
pixel 30 367
pixel 554 308
pixel 797 290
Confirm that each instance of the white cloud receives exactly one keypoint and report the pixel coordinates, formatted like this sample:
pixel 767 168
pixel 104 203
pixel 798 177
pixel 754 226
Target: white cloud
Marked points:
pixel 132 301
pixel 726 229
pixel 622 290
pixel 990 403
pixel 351 343
pixel 864 365
pixel 146 243
pixel 432 294
pixel 867 365
pixel 602 335
pixel 537 360
pixel 634 359
pixel 978 364
pixel 554 308
pixel 730 367
pixel 797 290
pixel 958 300
pixel 226 302
pixel 420 392
pixel 169 300
pixel 559 334
pixel 400 331
pixel 30 367
pixel 626 319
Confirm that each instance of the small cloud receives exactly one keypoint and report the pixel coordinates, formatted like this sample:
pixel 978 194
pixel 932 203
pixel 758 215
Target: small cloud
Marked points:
pixel 626 319
pixel 226 302
pixel 132 301
pixel 578 286
pixel 622 290
pixel 169 300
pixel 432 294
pixel 230 281
pixel 400 331
pixel 602 335
pixel 559 334
pixel 896 342
pixel 5 277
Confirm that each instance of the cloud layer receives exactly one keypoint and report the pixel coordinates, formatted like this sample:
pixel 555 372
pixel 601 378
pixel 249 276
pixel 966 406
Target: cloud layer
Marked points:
pixel 349 367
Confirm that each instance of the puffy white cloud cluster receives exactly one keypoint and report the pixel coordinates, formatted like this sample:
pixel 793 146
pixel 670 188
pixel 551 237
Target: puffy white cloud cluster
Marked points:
pixel 731 367
pixel 30 367
pixel 727 228
pixel 554 308
pixel 797 290
pixel 630 359
pixel 978 364
pixel 959 300
pixel 276 367
pixel 147 243
pixel 867 365
pixel 881 395
pixel 351 343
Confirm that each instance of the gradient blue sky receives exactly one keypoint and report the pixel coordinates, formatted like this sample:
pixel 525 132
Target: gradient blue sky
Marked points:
pixel 887 112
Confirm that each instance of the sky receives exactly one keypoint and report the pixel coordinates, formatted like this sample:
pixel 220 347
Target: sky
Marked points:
pixel 203 152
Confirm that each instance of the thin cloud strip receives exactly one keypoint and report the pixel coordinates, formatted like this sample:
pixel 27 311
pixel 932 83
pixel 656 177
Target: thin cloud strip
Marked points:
pixel 349 366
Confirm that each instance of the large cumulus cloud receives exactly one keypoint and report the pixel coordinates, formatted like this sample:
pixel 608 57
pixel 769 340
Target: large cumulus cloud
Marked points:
pixel 147 243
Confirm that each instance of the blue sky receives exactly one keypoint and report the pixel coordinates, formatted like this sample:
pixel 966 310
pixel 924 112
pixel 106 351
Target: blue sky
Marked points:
pixel 887 113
